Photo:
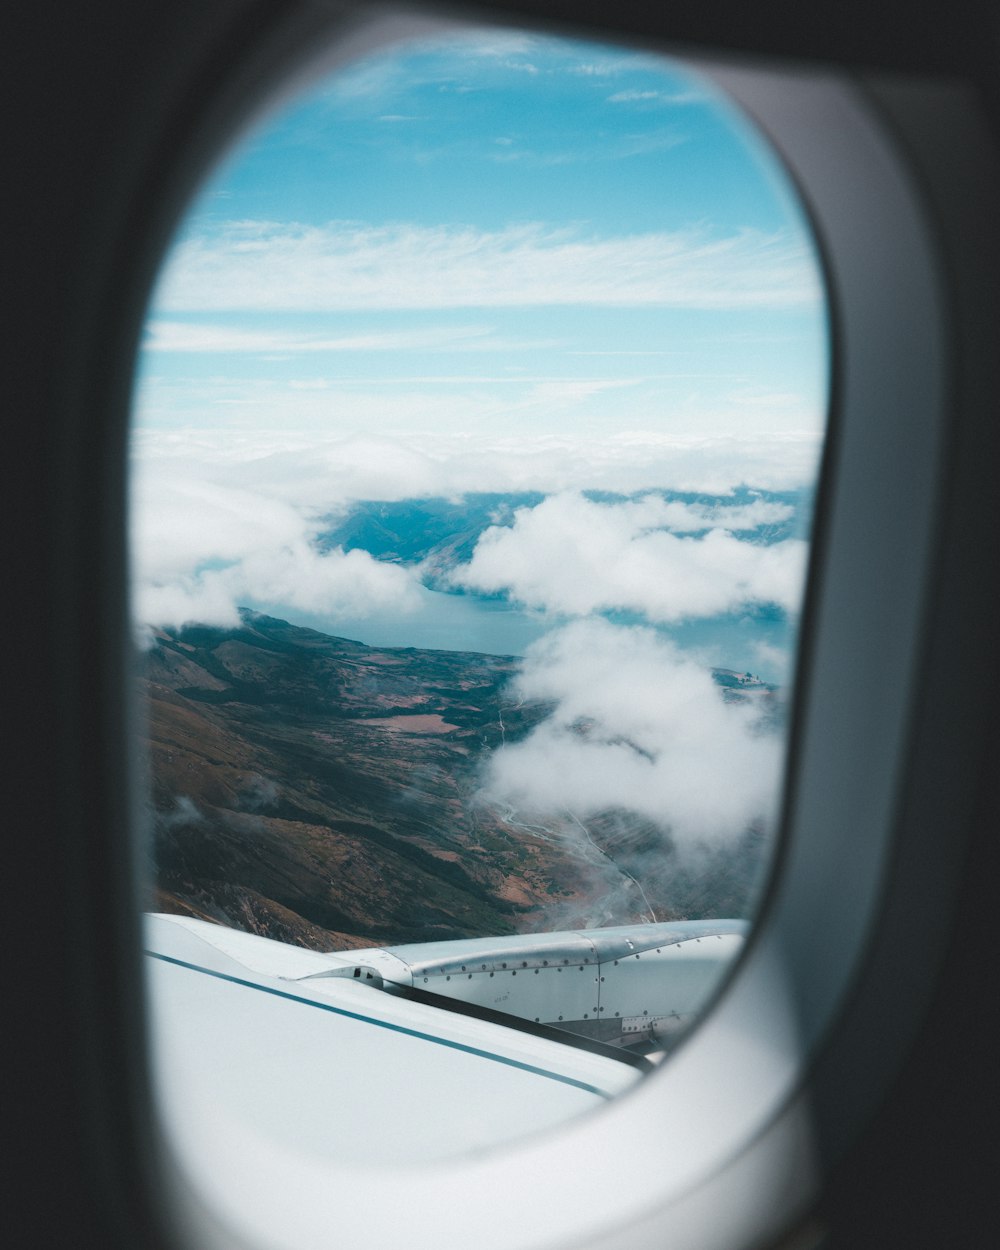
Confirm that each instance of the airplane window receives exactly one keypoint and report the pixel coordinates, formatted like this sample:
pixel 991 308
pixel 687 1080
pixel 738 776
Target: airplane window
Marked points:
pixel 480 409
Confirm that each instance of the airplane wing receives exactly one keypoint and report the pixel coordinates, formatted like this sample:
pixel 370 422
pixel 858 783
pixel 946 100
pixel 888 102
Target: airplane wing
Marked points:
pixel 419 1052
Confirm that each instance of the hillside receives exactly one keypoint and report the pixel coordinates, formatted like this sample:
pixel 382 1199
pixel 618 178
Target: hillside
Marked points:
pixel 321 791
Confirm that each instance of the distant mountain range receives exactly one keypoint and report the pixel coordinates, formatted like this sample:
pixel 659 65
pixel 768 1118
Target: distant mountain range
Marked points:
pixel 441 531
pixel 324 792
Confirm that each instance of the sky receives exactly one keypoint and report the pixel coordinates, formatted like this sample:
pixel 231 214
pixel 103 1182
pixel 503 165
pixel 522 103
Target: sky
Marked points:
pixel 491 261
pixel 497 235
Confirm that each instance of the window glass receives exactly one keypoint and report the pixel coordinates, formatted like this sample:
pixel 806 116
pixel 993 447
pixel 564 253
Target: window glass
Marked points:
pixel 480 407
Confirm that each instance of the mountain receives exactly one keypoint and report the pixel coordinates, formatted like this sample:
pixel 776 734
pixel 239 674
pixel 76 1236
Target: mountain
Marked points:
pixel 324 792
pixel 411 530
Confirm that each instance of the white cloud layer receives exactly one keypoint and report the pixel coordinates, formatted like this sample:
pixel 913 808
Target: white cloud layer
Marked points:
pixel 201 549
pixel 322 472
pixel 185 336
pixel 257 265
pixel 574 556
pixel 220 519
pixel 636 726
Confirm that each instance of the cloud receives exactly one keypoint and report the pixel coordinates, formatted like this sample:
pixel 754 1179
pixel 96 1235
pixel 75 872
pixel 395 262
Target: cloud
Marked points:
pixel 186 336
pixel 573 556
pixel 368 79
pixel 657 97
pixel 597 69
pixel 778 660
pixel 312 470
pixel 487 43
pixel 267 266
pixel 201 549
pixel 222 519
pixel 681 517
pixel 636 726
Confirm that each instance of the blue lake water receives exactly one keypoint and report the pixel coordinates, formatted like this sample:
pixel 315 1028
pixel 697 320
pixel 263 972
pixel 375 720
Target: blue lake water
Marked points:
pixel 447 622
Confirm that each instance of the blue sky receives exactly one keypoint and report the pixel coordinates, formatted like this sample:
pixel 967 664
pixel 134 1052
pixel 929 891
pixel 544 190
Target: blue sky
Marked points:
pixel 493 233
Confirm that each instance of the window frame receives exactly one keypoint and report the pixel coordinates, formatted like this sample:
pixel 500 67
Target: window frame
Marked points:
pixel 153 91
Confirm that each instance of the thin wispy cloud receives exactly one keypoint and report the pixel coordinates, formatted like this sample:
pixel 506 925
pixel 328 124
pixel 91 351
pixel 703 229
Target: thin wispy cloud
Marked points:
pixel 635 96
pixel 615 147
pixel 540 160
pixel 521 67
pixel 344 266
pixel 186 336
pixel 369 79
pixel 485 43
pixel 597 69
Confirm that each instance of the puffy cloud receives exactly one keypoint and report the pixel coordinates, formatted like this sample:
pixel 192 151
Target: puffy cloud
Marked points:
pixel 203 599
pixel 348 265
pixel 636 726
pixel 201 549
pixel 681 517
pixel 574 556
pixel 219 518
pixel 182 521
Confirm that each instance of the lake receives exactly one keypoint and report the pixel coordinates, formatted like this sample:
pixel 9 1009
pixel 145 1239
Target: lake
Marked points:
pixel 753 640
